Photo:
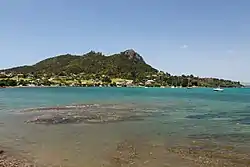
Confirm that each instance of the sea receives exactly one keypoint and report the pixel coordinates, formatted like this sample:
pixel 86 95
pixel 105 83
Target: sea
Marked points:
pixel 151 127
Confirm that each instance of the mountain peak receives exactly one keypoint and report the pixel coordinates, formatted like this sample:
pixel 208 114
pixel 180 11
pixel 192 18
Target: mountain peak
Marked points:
pixel 132 54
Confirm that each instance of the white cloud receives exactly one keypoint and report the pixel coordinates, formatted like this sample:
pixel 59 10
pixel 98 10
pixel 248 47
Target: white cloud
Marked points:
pixel 184 46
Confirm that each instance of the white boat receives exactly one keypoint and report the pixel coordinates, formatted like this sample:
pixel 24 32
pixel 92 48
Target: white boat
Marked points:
pixel 218 89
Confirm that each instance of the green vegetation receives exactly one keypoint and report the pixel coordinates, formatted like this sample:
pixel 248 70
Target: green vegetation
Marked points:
pixel 8 82
pixel 95 69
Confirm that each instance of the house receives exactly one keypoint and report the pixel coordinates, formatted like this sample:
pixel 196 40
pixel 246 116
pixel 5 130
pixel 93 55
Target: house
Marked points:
pixel 149 82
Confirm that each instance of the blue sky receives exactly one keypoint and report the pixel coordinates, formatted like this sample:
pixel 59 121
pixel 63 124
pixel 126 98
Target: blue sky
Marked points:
pixel 205 38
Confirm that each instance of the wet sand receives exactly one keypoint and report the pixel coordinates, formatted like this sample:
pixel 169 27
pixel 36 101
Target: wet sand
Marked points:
pixel 142 153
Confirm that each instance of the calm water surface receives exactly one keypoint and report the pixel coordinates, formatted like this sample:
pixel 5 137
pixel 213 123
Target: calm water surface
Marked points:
pixel 185 114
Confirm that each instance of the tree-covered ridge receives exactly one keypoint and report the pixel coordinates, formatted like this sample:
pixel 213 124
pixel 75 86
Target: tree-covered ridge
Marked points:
pixel 121 65
pixel 101 69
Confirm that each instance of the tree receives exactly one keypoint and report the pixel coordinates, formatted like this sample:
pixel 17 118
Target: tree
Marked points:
pixel 184 82
pixel 134 75
pixel 194 83
pixel 167 74
pixel 2 83
pixel 46 82
pixel 113 84
pixel 3 76
pixel 23 83
pixel 106 79
pixel 8 82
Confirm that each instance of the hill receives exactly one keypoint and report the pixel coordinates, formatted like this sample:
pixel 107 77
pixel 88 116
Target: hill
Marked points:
pixel 100 68
pixel 122 65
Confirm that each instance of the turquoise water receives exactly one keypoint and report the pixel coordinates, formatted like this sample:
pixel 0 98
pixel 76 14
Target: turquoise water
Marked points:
pixel 180 115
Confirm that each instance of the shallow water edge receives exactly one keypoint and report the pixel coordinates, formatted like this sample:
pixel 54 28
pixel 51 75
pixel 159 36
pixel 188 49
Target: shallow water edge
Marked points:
pixel 125 127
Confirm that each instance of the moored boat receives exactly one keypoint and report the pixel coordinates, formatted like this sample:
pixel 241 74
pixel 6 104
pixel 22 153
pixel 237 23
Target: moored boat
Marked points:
pixel 218 89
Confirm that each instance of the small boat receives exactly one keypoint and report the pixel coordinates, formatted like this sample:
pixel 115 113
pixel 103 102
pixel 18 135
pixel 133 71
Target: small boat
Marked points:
pixel 218 89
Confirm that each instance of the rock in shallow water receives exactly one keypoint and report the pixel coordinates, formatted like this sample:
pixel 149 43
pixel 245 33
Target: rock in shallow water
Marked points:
pixel 1 152
pixel 9 160
pixel 140 153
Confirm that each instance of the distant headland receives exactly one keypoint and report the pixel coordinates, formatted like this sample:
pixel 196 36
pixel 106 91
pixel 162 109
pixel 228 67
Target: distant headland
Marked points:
pixel 124 69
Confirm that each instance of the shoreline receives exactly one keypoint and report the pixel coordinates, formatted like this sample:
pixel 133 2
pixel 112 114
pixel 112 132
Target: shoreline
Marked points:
pixel 166 87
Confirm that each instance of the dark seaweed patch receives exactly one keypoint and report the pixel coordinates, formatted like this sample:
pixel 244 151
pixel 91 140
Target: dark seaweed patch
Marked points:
pixel 98 115
pixel 245 121
pixel 208 116
pixel 243 113
pixel 232 137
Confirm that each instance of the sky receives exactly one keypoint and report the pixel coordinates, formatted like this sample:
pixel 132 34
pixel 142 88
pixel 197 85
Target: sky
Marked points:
pixel 199 37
